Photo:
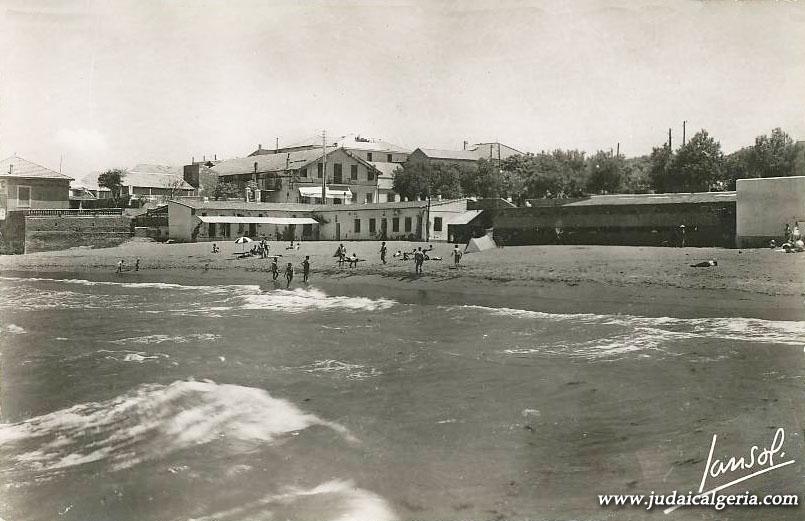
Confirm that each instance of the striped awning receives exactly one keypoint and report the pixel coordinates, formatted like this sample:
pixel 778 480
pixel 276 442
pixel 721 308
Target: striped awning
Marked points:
pixel 232 219
pixel 315 191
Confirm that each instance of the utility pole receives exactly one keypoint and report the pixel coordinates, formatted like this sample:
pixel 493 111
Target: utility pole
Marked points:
pixel 323 167
pixel 427 215
pixel 277 145
pixel 618 153
pixel 683 132
pixel 669 140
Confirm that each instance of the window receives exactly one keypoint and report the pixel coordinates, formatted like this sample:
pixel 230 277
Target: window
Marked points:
pixel 303 172
pixel 357 226
pixel 407 224
pixel 369 198
pixel 24 196
pixel 372 226
pixel 370 175
pixel 368 156
pixel 337 173
pixel 388 158
pixel 437 224
pixel 226 230
pixel 211 230
pixel 390 198
pixel 353 172
pixel 319 170
pixel 395 224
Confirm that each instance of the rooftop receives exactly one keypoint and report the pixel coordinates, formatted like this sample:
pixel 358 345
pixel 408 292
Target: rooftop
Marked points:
pixel 300 207
pixel 348 141
pixel 279 162
pixel 671 198
pixel 155 180
pixel 18 167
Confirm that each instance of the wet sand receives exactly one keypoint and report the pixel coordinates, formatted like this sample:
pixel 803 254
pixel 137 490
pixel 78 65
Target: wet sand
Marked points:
pixel 579 279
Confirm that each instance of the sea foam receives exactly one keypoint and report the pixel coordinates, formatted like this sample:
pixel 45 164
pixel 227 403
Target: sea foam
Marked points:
pixel 151 422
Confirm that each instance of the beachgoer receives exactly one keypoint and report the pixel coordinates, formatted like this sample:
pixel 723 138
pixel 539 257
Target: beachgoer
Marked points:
pixel 419 259
pixel 772 244
pixel 795 236
pixel 306 268
pixel 275 270
pixel 120 266
pixel 704 264
pixel 215 248
pixel 353 260
pixel 787 233
pixel 342 255
pixel 383 251
pixel 456 255
pixel 137 265
pixel 682 235
pixel 799 245
pixel 288 275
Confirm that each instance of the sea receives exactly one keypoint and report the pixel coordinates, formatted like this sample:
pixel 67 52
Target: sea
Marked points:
pixel 159 401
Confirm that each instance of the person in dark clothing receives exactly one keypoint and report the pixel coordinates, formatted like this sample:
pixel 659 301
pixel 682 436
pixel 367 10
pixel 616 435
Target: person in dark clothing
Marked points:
pixel 137 265
pixel 419 259
pixel 383 251
pixel 288 275
pixel 275 270
pixel 306 268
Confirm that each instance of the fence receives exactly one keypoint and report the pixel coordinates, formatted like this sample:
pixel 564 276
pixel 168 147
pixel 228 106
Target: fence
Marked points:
pixel 73 212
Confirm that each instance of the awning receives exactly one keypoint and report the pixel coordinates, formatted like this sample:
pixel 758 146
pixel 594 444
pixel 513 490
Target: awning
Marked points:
pixel 231 219
pixel 464 218
pixel 315 191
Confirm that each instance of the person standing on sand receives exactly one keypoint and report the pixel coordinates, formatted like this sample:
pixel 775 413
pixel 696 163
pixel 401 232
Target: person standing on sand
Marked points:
pixel 288 275
pixel 306 268
pixel 383 251
pixel 120 266
pixel 137 265
pixel 275 270
pixel 419 259
pixel 456 256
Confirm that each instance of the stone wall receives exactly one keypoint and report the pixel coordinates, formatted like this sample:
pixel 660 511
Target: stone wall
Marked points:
pixel 47 233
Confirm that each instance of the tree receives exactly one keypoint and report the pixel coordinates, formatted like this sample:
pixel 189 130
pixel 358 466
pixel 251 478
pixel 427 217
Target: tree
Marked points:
pixel 738 165
pixel 421 180
pixel 173 186
pixel 636 179
pixel 605 173
pixel 223 189
pixel 773 156
pixel 560 173
pixel 698 164
pixel 484 181
pixel 113 180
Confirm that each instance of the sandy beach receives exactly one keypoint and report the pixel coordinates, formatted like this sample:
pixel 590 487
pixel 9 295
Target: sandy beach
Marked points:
pixel 643 281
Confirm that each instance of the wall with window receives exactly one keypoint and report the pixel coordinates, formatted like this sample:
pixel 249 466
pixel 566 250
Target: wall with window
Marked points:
pixel 22 194
pixel 381 156
pixel 354 224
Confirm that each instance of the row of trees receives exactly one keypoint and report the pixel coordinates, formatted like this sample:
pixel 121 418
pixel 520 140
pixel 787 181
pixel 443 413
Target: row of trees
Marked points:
pixel 696 166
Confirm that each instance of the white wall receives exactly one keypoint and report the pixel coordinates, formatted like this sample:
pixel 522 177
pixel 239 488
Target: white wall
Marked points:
pixel 764 206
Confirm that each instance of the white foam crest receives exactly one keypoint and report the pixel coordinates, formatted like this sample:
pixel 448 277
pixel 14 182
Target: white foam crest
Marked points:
pixel 213 289
pixel 13 329
pixel 336 367
pixel 733 328
pixel 152 421
pixel 300 300
pixel 335 500
pixel 159 339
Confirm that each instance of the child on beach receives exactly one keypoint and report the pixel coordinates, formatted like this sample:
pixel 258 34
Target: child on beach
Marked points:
pixel 275 270
pixel 306 268
pixel 419 259
pixel 137 265
pixel 120 266
pixel 288 275
pixel 383 251
pixel 456 255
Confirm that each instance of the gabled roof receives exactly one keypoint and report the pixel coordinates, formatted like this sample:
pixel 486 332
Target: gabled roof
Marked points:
pixel 348 141
pixel 278 162
pixel 386 169
pixel 18 167
pixel 456 155
pixel 153 180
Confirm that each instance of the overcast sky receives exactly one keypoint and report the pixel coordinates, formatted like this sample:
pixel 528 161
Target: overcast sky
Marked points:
pixel 112 84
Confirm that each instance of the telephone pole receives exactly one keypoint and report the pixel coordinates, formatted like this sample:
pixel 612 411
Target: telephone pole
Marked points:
pixel 323 167
pixel 683 132
pixel 669 140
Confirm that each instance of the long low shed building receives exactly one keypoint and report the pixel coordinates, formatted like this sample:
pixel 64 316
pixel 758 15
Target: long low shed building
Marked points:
pixel 765 206
pixel 700 219
pixel 198 220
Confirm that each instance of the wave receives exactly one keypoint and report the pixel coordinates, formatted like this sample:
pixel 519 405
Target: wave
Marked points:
pixel 159 339
pixel 151 422
pixel 300 300
pixel 733 329
pixel 336 367
pixel 212 289
pixel 13 329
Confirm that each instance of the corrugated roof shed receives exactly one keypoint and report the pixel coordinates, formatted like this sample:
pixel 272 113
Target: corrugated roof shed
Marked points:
pixel 18 167
pixel 154 180
pixel 460 155
pixel 673 198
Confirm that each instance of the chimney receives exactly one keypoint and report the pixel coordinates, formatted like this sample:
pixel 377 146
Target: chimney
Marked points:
pixel 259 147
pixel 11 169
pixel 465 145
pixel 215 157
pixel 192 159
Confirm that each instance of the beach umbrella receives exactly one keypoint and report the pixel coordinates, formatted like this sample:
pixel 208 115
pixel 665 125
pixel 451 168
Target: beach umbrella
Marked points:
pixel 243 240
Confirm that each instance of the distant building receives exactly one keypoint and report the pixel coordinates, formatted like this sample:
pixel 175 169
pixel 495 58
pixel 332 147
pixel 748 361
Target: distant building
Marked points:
pixel 765 206
pixel 26 185
pixel 368 149
pixel 468 156
pixel 200 176
pixel 155 183
pixel 194 220
pixel 297 177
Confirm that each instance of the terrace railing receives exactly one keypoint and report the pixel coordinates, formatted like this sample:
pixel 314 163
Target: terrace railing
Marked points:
pixel 42 212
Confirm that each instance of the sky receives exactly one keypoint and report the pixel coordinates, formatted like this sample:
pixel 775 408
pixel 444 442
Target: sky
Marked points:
pixel 91 85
